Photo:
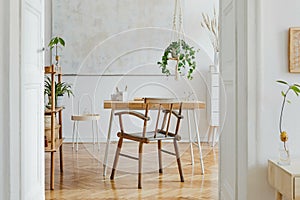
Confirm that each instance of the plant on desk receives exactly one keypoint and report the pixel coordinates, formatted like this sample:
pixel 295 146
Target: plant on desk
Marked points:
pixel 284 153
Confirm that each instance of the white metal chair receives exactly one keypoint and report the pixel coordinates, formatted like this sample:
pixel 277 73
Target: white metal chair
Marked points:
pixel 85 116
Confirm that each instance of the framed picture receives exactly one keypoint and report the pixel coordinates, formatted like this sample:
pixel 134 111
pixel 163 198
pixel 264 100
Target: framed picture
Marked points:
pixel 294 50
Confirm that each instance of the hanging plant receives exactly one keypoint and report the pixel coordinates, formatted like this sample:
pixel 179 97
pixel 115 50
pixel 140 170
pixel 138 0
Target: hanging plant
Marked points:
pixel 183 54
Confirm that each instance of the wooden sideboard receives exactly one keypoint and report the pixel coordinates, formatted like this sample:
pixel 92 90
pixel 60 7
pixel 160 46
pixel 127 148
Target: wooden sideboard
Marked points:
pixel 285 179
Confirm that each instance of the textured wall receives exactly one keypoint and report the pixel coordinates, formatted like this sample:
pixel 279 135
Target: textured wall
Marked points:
pixel 117 36
pixel 118 43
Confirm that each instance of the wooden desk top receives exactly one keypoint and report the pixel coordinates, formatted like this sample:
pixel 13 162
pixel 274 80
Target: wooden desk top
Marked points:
pixel 140 105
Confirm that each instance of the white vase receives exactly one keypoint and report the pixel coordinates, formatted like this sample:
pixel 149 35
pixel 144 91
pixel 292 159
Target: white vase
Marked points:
pixel 216 58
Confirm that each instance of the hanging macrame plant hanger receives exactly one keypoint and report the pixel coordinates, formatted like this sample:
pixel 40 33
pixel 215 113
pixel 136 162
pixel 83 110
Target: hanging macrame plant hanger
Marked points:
pixel 177 35
pixel 178 50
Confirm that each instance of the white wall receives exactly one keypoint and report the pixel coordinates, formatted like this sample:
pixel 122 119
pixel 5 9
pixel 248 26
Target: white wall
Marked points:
pixel 87 29
pixel 4 129
pixel 275 18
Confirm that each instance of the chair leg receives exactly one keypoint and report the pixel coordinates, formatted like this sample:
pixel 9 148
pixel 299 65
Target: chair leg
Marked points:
pixel 93 132
pixel 140 165
pixel 116 158
pixel 77 135
pixel 73 134
pixel 159 157
pixel 178 160
pixel 97 136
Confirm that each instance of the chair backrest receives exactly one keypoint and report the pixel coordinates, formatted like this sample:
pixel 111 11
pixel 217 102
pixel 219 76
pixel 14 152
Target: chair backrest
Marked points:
pixel 169 107
pixel 90 101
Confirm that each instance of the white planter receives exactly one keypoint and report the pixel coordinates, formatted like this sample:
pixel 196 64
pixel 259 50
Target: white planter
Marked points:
pixel 59 101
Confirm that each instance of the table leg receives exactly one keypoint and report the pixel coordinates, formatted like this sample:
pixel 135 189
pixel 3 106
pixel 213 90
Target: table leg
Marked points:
pixel 198 141
pixel 108 142
pixel 278 196
pixel 190 136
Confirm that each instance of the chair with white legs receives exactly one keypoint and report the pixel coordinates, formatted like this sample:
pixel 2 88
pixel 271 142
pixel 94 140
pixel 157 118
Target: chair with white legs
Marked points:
pixel 85 116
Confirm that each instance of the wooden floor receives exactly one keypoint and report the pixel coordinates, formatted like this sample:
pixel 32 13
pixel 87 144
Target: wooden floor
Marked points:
pixel 82 177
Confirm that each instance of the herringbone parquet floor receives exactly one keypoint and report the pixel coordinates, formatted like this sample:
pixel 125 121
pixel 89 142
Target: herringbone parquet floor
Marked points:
pixel 82 177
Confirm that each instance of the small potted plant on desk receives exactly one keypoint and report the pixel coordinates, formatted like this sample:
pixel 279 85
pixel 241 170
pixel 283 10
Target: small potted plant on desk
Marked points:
pixel 61 88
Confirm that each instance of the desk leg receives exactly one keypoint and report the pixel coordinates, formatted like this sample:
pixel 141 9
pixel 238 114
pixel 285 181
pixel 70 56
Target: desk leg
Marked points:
pixel 190 136
pixel 278 196
pixel 108 141
pixel 198 141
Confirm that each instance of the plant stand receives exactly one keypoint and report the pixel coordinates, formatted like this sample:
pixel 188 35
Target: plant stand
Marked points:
pixel 56 143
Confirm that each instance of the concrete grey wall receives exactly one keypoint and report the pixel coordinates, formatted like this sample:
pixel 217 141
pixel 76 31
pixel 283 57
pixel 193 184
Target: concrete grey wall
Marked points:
pixel 118 43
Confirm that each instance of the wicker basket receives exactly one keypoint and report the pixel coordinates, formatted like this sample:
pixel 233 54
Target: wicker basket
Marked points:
pixel 47 121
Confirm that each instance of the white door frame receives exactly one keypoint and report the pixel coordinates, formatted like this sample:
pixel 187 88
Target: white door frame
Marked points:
pixel 14 88
pixel 247 17
pixel 14 100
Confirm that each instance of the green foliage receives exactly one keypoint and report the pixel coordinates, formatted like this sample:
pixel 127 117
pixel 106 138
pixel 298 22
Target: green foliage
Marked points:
pixel 295 88
pixel 54 42
pixel 60 88
pixel 183 53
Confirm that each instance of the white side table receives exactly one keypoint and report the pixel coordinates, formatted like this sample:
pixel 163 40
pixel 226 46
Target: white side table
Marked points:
pixel 285 179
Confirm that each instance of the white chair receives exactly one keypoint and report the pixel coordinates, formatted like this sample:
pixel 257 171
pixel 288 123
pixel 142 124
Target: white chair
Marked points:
pixel 85 116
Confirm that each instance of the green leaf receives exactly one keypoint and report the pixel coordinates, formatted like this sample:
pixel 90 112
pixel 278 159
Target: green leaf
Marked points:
pixel 295 89
pixel 55 41
pixel 282 82
pixel 181 56
pixel 61 41
pixel 297 85
pixel 288 101
pixel 282 93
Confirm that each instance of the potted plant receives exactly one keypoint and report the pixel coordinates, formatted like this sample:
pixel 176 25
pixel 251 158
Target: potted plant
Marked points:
pixel 284 151
pixel 61 88
pixel 55 43
pixel 183 54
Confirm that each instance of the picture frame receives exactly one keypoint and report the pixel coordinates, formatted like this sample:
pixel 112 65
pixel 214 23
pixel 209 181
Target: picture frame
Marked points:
pixel 294 50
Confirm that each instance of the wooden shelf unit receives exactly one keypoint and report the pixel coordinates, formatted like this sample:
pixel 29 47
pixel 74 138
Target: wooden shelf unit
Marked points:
pixel 55 144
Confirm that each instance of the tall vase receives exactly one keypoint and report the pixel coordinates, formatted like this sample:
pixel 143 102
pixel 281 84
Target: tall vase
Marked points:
pixel 216 60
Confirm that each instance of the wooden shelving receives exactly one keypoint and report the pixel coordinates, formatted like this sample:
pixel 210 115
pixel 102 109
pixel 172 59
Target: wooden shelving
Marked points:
pixel 55 144
pixel 58 144
pixel 57 109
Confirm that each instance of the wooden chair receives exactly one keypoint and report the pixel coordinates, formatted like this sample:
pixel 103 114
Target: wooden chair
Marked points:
pixel 168 108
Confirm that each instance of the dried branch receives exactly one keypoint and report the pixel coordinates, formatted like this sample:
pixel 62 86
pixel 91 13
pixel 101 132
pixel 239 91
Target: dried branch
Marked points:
pixel 212 26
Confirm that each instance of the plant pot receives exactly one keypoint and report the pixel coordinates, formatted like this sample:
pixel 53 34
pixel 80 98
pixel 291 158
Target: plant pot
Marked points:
pixel 58 102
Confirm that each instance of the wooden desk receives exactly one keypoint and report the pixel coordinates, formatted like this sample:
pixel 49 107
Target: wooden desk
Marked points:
pixel 285 179
pixel 140 105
